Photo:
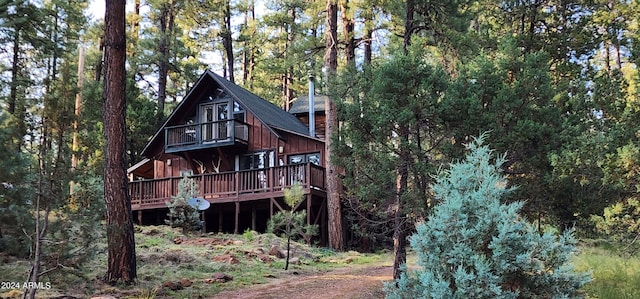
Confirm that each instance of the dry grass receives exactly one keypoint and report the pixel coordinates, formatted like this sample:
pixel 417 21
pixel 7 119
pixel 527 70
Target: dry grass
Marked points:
pixel 613 276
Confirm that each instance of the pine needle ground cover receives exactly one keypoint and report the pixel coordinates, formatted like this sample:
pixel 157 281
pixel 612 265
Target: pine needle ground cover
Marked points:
pixel 172 264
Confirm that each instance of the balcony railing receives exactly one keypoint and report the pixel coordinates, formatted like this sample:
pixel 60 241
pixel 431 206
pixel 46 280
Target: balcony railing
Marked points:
pixel 230 186
pixel 196 135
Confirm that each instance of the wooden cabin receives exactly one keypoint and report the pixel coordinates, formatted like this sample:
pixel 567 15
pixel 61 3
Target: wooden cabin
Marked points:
pixel 242 150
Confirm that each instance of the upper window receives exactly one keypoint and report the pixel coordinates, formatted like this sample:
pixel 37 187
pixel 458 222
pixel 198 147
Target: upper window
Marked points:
pixel 238 112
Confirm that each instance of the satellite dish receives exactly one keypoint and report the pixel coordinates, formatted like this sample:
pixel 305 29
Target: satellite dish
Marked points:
pixel 199 203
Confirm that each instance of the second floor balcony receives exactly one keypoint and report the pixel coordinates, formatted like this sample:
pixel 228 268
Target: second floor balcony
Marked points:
pixel 204 135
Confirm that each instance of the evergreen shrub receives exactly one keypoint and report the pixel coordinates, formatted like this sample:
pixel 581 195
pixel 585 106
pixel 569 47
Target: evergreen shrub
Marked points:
pixel 474 246
pixel 181 214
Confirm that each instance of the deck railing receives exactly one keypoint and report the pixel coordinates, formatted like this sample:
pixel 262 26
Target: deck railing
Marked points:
pixel 229 185
pixel 212 132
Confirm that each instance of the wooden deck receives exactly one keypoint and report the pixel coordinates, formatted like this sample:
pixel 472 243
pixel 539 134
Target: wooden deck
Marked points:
pixel 231 186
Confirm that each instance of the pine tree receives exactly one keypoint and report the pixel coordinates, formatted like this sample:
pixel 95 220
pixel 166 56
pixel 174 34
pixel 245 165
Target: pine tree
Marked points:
pixel 474 246
pixel 121 264
pixel 290 223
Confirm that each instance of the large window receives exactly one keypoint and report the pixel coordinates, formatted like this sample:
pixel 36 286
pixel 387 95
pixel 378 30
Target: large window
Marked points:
pixel 255 179
pixel 257 160
pixel 305 158
pixel 214 118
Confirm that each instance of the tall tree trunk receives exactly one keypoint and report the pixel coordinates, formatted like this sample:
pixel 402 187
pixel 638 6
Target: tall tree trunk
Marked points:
pixel 15 64
pixel 78 109
pixel 347 30
pixel 121 264
pixel 40 232
pixel 287 84
pixel 75 142
pixel 408 26
pixel 166 29
pixel 97 76
pixel 333 184
pixel 135 36
pixel 368 36
pixel 17 104
pixel 227 40
pixel 248 55
pixel 399 226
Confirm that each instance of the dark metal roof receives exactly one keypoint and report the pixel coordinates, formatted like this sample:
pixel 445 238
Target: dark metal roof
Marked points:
pixel 301 104
pixel 269 114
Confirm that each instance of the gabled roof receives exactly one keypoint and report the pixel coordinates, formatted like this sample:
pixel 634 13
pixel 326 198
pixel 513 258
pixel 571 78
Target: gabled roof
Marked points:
pixel 265 111
pixel 301 104
pixel 269 114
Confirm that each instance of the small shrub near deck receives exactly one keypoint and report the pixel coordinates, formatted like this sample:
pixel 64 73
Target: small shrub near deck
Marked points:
pixel 181 214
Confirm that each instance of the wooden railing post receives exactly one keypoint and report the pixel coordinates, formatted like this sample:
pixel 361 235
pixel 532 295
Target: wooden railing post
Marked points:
pixel 236 177
pixel 307 175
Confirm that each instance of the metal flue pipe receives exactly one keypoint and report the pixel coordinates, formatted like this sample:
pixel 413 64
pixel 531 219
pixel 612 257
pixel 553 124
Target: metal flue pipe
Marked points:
pixel 312 107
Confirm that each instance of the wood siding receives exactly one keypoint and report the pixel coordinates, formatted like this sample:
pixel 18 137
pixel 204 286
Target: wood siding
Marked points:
pixel 164 169
pixel 261 138
pixel 319 121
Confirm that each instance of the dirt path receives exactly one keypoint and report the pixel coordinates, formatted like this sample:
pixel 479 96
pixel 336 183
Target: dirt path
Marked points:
pixel 357 282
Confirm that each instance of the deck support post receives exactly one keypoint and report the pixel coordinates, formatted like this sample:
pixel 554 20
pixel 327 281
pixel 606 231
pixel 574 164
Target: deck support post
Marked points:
pixel 204 222
pixel 139 217
pixel 220 219
pixel 309 196
pixel 235 230
pixel 253 217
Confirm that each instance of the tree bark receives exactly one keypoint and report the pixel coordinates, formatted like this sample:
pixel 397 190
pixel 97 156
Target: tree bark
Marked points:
pixel 40 233
pixel 399 227
pixel 408 25
pixel 333 184
pixel 347 30
pixel 121 264
pixel 248 53
pixel 15 63
pixel 368 36
pixel 100 62
pixel 166 29
pixel 287 80
pixel 227 40
pixel 75 145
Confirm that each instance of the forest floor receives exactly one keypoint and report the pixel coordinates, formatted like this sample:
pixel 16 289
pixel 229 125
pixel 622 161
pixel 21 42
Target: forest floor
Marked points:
pixel 171 264
pixel 361 282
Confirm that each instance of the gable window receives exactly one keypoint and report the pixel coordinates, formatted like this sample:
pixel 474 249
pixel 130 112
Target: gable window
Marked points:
pixel 241 130
pixel 214 119
pixel 238 112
